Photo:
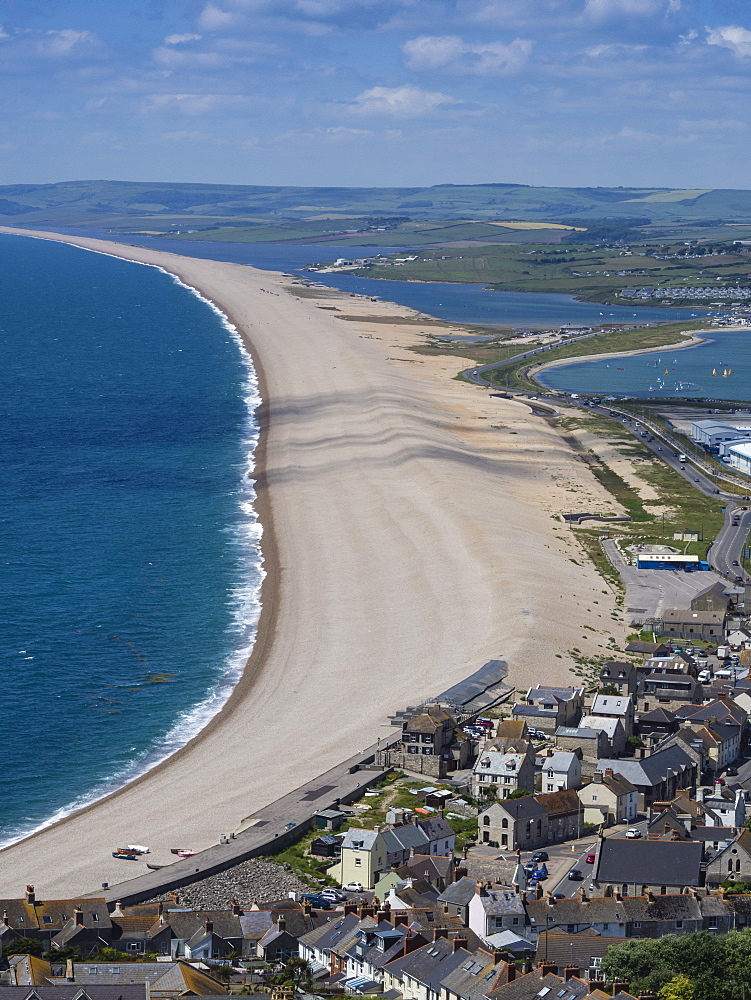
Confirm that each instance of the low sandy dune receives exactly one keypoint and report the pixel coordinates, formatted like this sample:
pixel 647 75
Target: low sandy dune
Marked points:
pixel 409 537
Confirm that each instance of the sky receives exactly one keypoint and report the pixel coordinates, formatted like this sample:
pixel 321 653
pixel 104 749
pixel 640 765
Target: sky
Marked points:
pixel 377 92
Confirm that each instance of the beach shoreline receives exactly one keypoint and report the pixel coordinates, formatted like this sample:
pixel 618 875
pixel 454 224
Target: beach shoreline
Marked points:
pixel 359 461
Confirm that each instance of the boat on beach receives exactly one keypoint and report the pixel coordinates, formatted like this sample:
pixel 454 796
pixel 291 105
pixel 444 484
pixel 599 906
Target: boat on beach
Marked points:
pixel 126 855
pixel 182 852
pixel 155 868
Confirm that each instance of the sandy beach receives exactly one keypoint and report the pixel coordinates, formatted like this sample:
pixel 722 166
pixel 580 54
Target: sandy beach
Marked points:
pixel 410 534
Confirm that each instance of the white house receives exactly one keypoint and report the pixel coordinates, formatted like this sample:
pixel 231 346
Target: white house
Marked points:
pixel 609 799
pixel 560 769
pixel 615 707
pixel 506 772
pixel 494 910
pixel 611 726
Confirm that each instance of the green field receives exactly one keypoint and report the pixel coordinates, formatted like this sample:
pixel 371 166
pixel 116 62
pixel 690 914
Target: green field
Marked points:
pixel 593 273
pixel 119 203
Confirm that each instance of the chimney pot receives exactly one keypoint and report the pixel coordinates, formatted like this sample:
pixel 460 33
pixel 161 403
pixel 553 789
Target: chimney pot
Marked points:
pixel 459 942
pixel 78 916
pixel 209 926
pixel 281 923
pixel 570 971
pixel 30 895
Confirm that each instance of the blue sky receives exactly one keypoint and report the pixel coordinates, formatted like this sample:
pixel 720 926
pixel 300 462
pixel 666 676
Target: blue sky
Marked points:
pixel 377 92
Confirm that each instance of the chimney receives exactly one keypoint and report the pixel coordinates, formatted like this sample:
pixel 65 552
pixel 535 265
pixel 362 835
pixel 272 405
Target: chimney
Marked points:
pixel 281 923
pixel 459 942
pixel 597 984
pixel 159 908
pixel 549 898
pixel 307 909
pixel 618 894
pixel 400 918
pixel 547 967
pixel 78 916
pixel 528 966
pixel 381 915
pixel 480 888
pixel 597 777
pixel 570 972
pixel 30 895
pixel 236 911
pixel 583 897
pixel 650 896
pixel 510 972
pixel 440 932
pixel 69 973
pixel 208 926
pixel 118 912
pixel 620 986
pixel 608 772
pixel 348 908
pixel 460 872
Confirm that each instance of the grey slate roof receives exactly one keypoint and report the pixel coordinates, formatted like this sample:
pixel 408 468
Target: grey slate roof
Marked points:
pixel 535 985
pixel 651 770
pixel 502 902
pixel 363 839
pixel 131 991
pixel 651 862
pixel 459 893
pixel 430 964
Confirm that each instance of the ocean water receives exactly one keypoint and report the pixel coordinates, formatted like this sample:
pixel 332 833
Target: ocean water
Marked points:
pixel 675 374
pixel 130 548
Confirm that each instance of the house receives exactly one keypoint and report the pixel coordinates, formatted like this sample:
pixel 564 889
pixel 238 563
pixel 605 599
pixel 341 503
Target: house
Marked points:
pixel 664 689
pixel 659 777
pixel 43 920
pixel 514 824
pixel 418 974
pixel 653 727
pixel 560 769
pixel 647 649
pixel 456 898
pixel 432 742
pixel 724 806
pixel 739 638
pixel 564 812
pixel 364 856
pixel 632 867
pixel 547 708
pixel 495 910
pixel 694 626
pixel 611 707
pixel 513 729
pixel 373 947
pixel 164 979
pixel 593 743
pixel 609 799
pixel 612 728
pixel 585 951
pixel 614 917
pixel 503 773
pixel 732 862
pixel 541 982
pixel 315 946
pixel 722 709
pixel 617 674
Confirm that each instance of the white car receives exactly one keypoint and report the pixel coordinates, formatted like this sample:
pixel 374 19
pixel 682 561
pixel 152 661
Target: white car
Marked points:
pixel 633 833
pixel 354 887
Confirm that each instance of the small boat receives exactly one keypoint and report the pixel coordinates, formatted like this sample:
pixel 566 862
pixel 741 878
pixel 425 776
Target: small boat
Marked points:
pixel 714 371
pixel 155 868
pixel 620 369
pixel 125 855
pixel 134 849
pixel 182 852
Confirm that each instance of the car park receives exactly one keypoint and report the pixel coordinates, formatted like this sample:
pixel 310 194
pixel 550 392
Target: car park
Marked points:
pixel 354 887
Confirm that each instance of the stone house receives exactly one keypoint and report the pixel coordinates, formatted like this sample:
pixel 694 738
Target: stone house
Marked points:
pixel 672 691
pixel 593 743
pixel 713 598
pixel 431 743
pixel 506 772
pixel 514 824
pixel 611 728
pixel 564 812
pixel 691 626
pixel 546 708
pixel 659 777
pixel 609 799
pixel 635 867
pixel 620 675
pixel 731 863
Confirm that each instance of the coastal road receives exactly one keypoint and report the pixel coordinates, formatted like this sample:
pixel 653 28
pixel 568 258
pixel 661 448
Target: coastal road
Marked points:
pixel 727 551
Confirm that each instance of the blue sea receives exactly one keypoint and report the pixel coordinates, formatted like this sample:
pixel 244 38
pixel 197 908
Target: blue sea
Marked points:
pixel 130 548
pixel 675 374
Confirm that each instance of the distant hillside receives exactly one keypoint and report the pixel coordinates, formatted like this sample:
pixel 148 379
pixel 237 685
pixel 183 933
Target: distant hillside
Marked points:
pixel 128 204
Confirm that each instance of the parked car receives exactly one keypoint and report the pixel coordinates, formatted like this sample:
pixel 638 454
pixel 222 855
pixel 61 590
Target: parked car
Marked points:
pixel 575 875
pixel 290 826
pixel 320 901
pixel 633 833
pixel 540 856
pixel 590 858
pixel 541 874
pixel 354 887
pixel 731 771
pixel 334 895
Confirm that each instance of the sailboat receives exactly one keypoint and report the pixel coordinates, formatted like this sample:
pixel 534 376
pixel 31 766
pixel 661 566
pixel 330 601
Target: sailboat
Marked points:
pixel 714 371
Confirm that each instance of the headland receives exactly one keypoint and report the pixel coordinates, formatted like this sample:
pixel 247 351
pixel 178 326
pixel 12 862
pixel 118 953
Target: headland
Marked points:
pixel 410 534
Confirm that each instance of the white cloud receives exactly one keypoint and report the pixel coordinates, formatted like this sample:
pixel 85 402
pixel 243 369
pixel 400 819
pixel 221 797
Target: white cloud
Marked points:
pixel 615 49
pixel 167 55
pixel 401 102
pixel 602 9
pixel 60 43
pixel 732 37
pixel 214 19
pixel 450 53
pixel 181 39
pixel 195 104
pixel 3 32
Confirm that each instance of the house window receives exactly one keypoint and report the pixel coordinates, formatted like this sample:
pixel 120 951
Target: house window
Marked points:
pixel 515 921
pixel 358 862
pixel 132 945
pixel 504 824
pixel 428 751
pixel 413 749
pixel 486 821
pixel 637 923
pixel 663 890
pixel 594 798
pixel 679 925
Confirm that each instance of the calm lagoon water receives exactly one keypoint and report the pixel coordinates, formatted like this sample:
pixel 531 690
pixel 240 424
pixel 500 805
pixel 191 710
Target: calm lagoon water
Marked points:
pixel 130 563
pixel 684 373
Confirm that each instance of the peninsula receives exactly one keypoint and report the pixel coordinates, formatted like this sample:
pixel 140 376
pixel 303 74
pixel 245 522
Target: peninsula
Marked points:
pixel 410 534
